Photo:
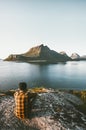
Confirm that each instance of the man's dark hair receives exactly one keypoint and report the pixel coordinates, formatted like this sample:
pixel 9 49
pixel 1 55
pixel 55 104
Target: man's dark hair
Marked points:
pixel 22 86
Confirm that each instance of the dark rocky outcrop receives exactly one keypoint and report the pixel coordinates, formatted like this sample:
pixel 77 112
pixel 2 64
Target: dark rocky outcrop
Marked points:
pixel 39 54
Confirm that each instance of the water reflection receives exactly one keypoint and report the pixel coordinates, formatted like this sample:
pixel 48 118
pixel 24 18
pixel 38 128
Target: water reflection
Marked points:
pixel 69 75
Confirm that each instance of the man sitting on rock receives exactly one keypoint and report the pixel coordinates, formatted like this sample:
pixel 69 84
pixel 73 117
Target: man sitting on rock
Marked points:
pixel 23 101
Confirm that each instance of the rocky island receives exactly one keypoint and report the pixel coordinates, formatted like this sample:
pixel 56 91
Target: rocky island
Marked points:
pixel 43 54
pixel 53 110
pixel 39 54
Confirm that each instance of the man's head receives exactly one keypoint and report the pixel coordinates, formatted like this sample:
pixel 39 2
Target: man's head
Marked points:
pixel 22 86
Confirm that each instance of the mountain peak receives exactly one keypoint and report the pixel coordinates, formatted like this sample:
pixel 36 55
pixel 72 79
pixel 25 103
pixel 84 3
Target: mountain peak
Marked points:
pixel 41 45
pixel 36 51
pixel 75 56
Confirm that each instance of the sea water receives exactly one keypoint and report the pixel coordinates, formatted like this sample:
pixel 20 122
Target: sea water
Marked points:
pixel 68 75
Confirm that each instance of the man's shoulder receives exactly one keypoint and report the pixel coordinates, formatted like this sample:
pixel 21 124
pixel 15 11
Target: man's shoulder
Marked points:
pixel 16 92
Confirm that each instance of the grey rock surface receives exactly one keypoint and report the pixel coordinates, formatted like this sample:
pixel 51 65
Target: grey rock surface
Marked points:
pixel 51 111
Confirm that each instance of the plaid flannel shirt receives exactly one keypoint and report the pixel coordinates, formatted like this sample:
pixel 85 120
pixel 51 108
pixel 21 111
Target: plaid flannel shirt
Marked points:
pixel 21 104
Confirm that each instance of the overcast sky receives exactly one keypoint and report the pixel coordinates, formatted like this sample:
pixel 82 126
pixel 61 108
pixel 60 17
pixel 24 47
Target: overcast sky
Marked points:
pixel 59 24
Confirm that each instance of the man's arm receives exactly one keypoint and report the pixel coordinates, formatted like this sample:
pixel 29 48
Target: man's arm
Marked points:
pixel 32 95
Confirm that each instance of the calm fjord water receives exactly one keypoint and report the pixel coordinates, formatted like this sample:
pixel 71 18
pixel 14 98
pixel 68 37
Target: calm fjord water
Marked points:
pixel 69 75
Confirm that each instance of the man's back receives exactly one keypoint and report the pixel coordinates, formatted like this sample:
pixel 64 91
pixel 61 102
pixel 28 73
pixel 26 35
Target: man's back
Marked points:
pixel 21 104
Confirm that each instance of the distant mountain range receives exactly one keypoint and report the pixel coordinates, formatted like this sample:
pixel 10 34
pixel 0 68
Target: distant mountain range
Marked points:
pixel 42 54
